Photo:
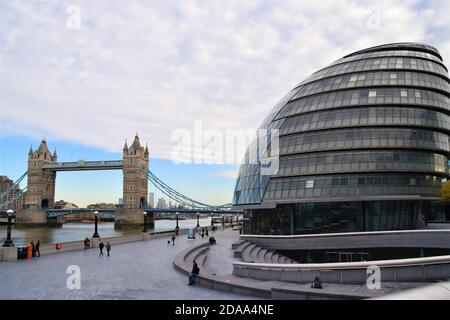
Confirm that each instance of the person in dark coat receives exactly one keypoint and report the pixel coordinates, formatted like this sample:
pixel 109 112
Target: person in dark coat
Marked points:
pixel 108 248
pixel 207 232
pixel 38 244
pixel 195 271
pixel 173 240
pixel 33 249
pixel 100 246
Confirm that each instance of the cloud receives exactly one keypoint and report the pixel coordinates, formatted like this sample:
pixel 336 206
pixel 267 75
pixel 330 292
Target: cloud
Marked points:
pixel 158 66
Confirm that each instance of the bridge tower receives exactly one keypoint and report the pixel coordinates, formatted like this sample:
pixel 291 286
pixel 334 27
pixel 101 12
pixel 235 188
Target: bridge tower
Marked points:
pixel 135 183
pixel 41 183
pixel 135 166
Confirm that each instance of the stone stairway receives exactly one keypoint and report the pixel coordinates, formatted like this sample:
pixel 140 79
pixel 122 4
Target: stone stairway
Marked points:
pixel 250 252
pixel 208 278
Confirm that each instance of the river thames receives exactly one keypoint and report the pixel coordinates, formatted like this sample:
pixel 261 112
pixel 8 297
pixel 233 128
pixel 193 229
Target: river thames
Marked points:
pixel 79 231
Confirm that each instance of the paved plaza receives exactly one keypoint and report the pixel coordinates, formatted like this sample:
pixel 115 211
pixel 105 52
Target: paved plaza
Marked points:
pixel 139 270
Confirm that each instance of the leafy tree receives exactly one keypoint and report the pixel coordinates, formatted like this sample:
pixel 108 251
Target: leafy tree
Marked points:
pixel 445 191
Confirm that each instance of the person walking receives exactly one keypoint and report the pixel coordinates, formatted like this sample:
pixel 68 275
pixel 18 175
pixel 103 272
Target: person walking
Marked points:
pixel 33 249
pixel 100 246
pixel 206 232
pixel 38 244
pixel 173 240
pixel 195 271
pixel 108 248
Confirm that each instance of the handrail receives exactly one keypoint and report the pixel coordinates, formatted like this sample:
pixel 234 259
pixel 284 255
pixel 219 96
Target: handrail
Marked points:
pixel 349 265
pixel 340 234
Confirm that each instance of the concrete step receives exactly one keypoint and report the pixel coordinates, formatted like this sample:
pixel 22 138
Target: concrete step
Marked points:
pixel 237 244
pixel 267 256
pixel 246 253
pixel 261 254
pixel 275 257
pixel 255 252
pixel 240 248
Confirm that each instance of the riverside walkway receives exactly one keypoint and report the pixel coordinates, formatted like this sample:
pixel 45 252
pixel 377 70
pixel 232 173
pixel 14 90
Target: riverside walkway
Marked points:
pixel 137 270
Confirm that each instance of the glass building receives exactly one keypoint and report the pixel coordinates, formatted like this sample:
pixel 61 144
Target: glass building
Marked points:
pixel 363 145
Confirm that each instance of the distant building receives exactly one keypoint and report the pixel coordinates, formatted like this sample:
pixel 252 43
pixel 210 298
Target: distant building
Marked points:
pixel 151 199
pixel 61 204
pixel 120 201
pixel 101 206
pixel 161 203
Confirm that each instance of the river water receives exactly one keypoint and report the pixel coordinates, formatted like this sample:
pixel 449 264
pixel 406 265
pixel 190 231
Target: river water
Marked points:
pixel 79 231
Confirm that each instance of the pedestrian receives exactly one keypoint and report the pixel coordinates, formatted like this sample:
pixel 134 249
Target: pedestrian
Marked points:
pixel 33 249
pixel 38 244
pixel 85 243
pixel 173 240
pixel 195 271
pixel 100 246
pixel 108 247
pixel 206 232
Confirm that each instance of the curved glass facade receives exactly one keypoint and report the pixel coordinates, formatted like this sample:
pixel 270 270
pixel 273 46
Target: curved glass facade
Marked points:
pixel 363 145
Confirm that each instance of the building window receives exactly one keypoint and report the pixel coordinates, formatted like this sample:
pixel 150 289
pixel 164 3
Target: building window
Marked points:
pixel 403 93
pixel 309 184
pixel 418 95
pixel 372 94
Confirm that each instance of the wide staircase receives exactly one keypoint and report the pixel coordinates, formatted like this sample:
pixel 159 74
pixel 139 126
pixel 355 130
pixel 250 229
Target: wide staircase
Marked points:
pixel 252 253
pixel 213 277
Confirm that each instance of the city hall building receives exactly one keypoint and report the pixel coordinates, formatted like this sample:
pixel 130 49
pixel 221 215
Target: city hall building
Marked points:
pixel 363 146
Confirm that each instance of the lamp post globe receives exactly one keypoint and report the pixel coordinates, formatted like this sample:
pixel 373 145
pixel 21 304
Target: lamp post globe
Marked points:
pixel 8 242
pixel 145 222
pixel 96 235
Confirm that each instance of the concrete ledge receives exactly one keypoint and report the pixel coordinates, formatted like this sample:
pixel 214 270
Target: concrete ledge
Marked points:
pixel 400 270
pixel 352 240
pixel 48 249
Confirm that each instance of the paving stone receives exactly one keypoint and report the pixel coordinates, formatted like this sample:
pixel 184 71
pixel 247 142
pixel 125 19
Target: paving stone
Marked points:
pixel 138 270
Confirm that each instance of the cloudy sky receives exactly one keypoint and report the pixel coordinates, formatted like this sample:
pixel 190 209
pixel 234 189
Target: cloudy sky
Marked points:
pixel 88 74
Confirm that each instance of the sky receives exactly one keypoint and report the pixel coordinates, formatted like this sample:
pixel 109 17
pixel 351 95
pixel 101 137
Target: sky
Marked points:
pixel 87 75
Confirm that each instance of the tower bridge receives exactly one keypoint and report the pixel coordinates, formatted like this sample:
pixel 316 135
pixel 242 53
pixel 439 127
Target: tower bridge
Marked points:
pixel 36 201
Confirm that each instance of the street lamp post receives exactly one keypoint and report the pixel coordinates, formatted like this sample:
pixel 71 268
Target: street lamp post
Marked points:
pixel 223 220
pixel 177 228
pixel 212 219
pixel 96 235
pixel 8 241
pixel 198 221
pixel 145 222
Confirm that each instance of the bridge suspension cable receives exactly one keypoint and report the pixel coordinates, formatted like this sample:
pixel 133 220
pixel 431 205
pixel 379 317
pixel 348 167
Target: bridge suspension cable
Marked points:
pixel 179 197
pixel 13 193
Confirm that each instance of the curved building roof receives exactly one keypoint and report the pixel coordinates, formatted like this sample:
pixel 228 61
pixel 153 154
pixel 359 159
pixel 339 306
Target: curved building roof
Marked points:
pixel 374 124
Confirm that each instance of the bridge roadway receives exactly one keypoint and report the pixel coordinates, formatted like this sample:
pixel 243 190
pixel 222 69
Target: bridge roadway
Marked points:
pixel 51 213
pixel 137 270
pixel 84 165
